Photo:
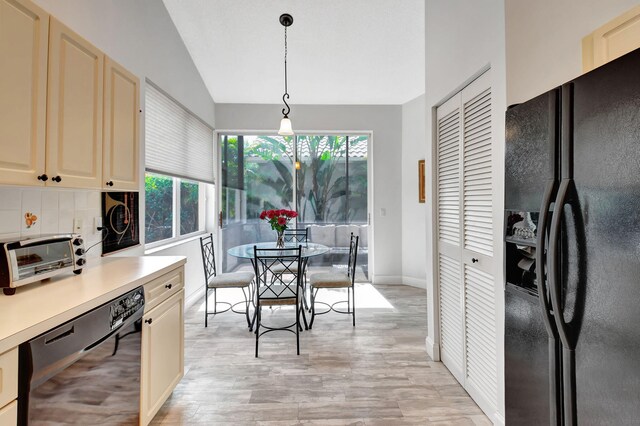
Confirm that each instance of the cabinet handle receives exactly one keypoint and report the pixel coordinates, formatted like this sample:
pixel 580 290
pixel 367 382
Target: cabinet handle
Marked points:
pixel 56 179
pixel 474 260
pixel 148 321
pixel 168 286
pixel 43 177
pixel 110 183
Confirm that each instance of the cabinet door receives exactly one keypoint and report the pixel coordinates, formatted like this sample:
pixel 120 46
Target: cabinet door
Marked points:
pixel 162 354
pixel 8 376
pixel 612 40
pixel 121 131
pixel 9 414
pixel 24 35
pixel 74 110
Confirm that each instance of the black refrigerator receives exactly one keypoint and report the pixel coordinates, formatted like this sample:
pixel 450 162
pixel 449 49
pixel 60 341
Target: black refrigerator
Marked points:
pixel 572 252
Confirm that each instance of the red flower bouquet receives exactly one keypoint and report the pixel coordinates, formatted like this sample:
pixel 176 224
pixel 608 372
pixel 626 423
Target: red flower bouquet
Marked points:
pixel 278 219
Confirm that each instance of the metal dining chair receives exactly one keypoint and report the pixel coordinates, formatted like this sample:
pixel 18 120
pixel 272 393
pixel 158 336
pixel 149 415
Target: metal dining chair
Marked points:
pixel 337 280
pixel 282 291
pixel 215 281
pixel 298 235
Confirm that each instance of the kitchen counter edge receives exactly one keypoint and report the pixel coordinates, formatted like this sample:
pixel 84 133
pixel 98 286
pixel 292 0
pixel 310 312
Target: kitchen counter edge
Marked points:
pixel 39 307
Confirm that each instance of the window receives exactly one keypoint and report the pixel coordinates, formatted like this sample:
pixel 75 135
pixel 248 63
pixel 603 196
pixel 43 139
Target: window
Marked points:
pixel 321 176
pixel 332 178
pixel 174 207
pixel 188 211
pixel 158 212
pixel 180 168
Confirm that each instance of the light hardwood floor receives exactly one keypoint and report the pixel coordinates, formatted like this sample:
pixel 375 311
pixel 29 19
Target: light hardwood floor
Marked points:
pixel 377 373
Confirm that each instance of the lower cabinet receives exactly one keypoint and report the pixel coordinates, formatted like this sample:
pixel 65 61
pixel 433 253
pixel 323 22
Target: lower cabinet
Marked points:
pixel 162 354
pixel 9 388
pixel 9 414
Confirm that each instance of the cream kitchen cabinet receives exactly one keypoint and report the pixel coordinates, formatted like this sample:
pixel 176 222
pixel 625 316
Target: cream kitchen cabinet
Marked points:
pixel 70 116
pixel 8 387
pixel 612 40
pixel 120 153
pixel 74 110
pixel 9 414
pixel 24 38
pixel 162 354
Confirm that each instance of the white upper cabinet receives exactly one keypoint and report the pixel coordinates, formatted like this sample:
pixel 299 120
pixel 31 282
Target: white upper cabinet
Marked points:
pixel 24 35
pixel 74 110
pixel 120 158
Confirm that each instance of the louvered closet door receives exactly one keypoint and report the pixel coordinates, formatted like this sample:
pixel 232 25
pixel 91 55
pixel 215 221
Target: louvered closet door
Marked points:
pixel 477 240
pixel 467 296
pixel 449 234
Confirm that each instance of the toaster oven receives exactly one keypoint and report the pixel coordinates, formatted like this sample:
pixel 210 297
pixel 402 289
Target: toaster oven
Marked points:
pixel 30 260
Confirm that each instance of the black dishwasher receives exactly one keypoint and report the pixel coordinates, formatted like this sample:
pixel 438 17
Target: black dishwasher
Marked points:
pixel 87 370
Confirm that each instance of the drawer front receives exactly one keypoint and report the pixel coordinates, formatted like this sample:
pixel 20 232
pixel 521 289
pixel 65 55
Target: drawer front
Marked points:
pixel 160 289
pixel 9 414
pixel 8 377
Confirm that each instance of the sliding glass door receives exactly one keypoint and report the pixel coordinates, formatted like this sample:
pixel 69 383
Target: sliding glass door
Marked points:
pixel 257 174
pixel 322 177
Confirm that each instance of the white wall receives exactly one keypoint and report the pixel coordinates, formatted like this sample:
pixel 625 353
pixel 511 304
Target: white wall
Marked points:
pixel 55 210
pixel 544 41
pixel 140 35
pixel 462 38
pixel 413 213
pixel 386 124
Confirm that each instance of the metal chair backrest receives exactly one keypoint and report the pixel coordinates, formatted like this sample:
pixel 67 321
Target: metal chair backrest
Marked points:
pixel 353 257
pixel 296 235
pixel 208 257
pixel 275 284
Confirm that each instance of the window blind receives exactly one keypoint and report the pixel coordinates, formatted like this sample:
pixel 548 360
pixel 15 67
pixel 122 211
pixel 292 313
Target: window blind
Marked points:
pixel 177 143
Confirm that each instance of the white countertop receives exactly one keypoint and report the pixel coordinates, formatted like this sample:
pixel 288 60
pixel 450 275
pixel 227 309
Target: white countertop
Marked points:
pixel 38 307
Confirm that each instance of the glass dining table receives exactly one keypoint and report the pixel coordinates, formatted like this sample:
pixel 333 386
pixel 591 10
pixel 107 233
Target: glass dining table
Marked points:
pixel 309 250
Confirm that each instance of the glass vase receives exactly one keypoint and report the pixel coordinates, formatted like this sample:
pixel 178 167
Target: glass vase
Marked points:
pixel 280 240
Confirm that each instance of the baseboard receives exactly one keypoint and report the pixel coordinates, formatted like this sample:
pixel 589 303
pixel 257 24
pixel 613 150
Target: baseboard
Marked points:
pixel 387 279
pixel 414 282
pixel 498 419
pixel 193 298
pixel 433 350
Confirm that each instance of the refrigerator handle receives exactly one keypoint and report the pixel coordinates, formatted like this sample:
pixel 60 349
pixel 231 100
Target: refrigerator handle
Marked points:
pixel 550 190
pixel 555 372
pixel 555 287
pixel 568 346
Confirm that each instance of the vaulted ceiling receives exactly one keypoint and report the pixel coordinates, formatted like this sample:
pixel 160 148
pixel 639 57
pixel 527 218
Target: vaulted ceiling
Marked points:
pixel 340 51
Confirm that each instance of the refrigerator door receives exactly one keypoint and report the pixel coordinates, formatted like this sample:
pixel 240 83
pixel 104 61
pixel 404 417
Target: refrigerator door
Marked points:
pixel 600 273
pixel 526 360
pixel 532 393
pixel 530 151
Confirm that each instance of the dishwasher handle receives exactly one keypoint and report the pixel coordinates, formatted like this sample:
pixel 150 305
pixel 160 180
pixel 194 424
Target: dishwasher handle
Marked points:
pixel 60 336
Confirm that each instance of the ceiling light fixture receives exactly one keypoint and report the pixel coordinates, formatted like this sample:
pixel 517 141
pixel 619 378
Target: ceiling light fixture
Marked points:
pixel 285 125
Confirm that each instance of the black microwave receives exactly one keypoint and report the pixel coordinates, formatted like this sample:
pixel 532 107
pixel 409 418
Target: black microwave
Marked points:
pixel 30 260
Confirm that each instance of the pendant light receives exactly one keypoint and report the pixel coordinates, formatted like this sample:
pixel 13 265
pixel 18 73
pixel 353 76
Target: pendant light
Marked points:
pixel 285 125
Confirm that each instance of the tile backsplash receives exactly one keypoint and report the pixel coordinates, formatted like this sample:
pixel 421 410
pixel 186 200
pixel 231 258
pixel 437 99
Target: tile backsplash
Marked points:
pixel 36 211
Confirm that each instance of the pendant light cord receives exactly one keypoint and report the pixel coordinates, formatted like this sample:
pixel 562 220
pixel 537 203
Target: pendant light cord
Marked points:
pixel 286 94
